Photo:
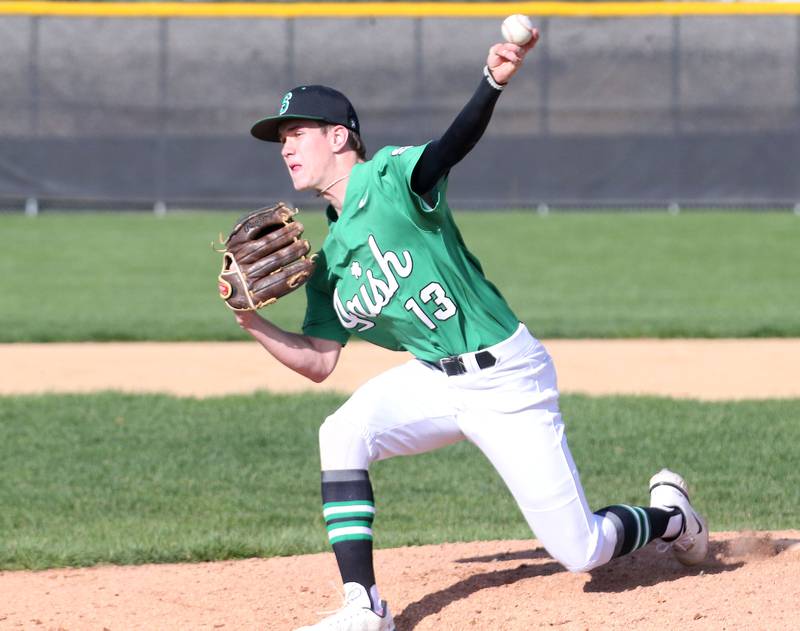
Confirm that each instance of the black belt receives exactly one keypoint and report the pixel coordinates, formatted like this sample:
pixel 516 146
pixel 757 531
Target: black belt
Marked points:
pixel 455 365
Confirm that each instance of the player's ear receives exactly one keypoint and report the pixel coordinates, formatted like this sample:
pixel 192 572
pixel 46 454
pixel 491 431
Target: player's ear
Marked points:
pixel 338 136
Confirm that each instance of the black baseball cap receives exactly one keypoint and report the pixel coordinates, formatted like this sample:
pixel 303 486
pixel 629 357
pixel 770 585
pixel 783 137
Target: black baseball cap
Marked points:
pixel 311 102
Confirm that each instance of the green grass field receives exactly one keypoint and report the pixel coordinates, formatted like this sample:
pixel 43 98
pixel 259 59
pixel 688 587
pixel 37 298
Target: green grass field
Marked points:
pixel 112 478
pixel 128 276
pixel 132 479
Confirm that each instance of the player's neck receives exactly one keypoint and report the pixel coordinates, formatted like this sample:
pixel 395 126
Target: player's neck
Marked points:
pixel 336 188
pixel 335 191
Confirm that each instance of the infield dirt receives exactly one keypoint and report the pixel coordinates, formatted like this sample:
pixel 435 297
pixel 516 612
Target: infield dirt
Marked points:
pixel 751 580
pixel 700 369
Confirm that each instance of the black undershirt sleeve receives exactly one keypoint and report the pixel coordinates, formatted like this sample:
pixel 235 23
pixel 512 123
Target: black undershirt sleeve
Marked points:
pixel 459 139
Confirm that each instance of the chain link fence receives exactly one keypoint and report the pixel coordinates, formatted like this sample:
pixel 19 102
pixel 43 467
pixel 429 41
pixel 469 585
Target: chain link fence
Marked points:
pixel 633 111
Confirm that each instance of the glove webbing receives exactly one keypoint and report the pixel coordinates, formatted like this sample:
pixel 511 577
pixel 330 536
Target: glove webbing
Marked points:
pixel 242 279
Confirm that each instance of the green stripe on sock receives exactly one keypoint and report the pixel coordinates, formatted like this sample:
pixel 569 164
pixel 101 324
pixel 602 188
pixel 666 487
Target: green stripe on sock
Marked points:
pixel 350 503
pixel 350 538
pixel 644 525
pixel 639 542
pixel 368 516
pixel 348 524
pixel 639 525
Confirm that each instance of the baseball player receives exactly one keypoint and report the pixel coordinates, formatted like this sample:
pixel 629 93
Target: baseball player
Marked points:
pixel 395 271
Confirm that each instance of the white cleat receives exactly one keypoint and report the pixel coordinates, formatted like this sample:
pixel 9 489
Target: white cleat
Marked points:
pixel 355 615
pixel 669 490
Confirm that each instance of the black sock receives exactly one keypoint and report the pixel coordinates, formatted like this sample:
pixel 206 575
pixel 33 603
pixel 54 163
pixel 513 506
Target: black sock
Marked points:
pixel 349 508
pixel 637 525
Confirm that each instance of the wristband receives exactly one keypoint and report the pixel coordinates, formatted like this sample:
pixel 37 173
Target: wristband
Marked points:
pixel 491 80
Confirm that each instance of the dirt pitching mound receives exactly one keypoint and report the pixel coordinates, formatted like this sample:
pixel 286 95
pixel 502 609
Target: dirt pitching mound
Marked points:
pixel 749 581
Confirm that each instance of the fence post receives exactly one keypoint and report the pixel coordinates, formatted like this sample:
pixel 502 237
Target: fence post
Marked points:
pixel 419 69
pixel 160 158
pixel 31 207
pixel 797 115
pixel 544 84
pixel 290 46
pixel 34 98
pixel 34 94
pixel 675 106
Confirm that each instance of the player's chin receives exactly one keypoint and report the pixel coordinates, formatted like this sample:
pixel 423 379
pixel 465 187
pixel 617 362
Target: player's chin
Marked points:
pixel 299 183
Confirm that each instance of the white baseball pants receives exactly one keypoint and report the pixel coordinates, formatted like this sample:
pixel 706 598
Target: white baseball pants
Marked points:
pixel 509 411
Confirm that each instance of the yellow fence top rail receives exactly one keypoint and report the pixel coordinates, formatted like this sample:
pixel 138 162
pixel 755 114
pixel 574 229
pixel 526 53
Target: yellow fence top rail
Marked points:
pixel 393 9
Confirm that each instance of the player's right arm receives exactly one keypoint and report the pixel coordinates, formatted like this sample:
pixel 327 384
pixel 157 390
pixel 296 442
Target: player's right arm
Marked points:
pixel 466 130
pixel 312 357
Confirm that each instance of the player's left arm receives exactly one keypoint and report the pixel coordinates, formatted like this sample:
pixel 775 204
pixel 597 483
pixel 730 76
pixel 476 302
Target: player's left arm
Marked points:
pixel 466 130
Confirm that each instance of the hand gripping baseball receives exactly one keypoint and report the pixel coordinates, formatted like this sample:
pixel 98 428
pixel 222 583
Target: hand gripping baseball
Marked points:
pixel 264 258
pixel 505 59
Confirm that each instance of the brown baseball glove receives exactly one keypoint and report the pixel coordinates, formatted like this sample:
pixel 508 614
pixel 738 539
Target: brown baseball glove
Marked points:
pixel 264 258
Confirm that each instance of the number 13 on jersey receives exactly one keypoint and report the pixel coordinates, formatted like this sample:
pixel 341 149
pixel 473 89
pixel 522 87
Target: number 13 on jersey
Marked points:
pixel 432 292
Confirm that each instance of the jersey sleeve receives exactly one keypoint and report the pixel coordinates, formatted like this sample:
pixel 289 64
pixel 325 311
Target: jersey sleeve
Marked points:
pixel 400 162
pixel 321 319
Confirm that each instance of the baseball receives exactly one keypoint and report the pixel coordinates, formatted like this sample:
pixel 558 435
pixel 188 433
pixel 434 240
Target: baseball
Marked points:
pixel 517 29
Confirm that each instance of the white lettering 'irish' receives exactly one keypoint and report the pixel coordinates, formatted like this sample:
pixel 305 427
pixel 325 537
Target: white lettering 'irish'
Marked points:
pixel 374 294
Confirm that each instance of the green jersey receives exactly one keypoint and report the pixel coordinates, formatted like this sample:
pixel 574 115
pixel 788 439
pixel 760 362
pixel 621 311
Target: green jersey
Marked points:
pixel 395 271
